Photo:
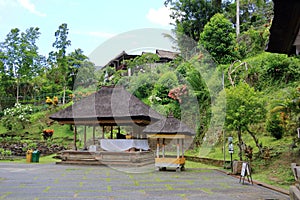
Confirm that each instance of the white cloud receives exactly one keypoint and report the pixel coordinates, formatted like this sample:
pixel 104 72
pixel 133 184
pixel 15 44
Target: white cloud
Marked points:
pixel 30 7
pixel 6 3
pixel 160 16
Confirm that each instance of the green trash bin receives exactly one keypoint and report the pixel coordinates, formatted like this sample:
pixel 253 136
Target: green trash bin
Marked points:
pixel 35 156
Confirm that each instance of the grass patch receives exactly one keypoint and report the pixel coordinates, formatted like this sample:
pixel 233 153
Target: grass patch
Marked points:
pixel 42 160
pixel 47 189
pixel 207 190
pixel 5 195
pixel 193 165
pixel 169 187
pixel 80 184
pixel 109 189
pixel 136 183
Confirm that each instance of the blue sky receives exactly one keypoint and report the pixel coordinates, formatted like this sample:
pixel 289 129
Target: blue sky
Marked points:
pixel 90 22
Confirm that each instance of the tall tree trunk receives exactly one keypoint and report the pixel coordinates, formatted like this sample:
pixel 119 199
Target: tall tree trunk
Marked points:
pixel 237 18
pixel 256 141
pixel 239 133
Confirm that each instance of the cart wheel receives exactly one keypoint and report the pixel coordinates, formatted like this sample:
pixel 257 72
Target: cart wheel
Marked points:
pixel 178 169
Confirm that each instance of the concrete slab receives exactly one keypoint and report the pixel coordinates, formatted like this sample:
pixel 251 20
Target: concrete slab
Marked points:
pixel 50 181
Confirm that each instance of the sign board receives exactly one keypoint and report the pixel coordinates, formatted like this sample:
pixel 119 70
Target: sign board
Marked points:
pixel 245 171
pixel 230 148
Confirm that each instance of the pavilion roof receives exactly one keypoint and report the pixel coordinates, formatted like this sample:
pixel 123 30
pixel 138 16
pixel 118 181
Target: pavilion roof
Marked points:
pixel 166 54
pixel 108 106
pixel 169 125
pixel 285 29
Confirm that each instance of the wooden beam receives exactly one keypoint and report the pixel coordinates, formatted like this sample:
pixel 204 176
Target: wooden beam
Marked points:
pixel 103 132
pixel 106 122
pixel 178 148
pixel 167 136
pixel 94 135
pixel 111 132
pixel 163 148
pixel 157 148
pixel 182 153
pixel 84 139
pixel 75 138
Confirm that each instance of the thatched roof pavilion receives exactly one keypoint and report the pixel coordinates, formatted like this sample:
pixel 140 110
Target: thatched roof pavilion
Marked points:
pixel 110 106
pixel 169 128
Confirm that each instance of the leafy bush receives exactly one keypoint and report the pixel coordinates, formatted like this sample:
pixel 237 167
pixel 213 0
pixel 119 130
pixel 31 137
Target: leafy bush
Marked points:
pixel 17 117
pixel 4 154
pixel 274 127
pixel 218 38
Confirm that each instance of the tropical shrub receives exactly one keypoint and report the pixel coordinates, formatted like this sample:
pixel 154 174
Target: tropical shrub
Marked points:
pixel 17 117
pixel 274 127
pixel 218 38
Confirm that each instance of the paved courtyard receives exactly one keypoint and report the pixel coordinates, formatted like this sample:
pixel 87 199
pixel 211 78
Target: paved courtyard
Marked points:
pixel 49 181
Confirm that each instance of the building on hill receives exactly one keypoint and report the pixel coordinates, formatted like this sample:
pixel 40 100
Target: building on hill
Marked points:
pixel 118 63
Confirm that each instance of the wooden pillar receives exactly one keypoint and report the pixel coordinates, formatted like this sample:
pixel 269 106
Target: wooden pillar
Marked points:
pixel 119 133
pixel 182 153
pixel 84 139
pixel 178 146
pixel 163 148
pixel 111 132
pixel 137 130
pixel 94 135
pixel 102 132
pixel 134 131
pixel 182 149
pixel 75 137
pixel 157 148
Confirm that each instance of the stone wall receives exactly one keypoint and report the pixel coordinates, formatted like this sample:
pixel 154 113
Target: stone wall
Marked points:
pixel 19 149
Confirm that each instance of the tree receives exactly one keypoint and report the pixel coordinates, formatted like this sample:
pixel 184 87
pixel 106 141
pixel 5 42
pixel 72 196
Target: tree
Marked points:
pixel 20 59
pixel 253 41
pixel 191 16
pixel 201 91
pixel 81 72
pixel 218 39
pixel 245 107
pixel 59 57
pixel 252 13
pixel 288 109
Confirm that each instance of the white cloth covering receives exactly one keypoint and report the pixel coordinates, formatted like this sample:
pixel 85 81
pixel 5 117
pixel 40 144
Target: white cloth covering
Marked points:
pixel 117 145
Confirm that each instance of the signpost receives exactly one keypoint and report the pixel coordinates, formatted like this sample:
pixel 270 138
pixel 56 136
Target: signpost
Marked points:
pixel 230 149
pixel 246 172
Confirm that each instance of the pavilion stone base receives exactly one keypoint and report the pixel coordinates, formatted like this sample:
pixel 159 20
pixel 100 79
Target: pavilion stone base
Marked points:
pixel 295 189
pixel 134 159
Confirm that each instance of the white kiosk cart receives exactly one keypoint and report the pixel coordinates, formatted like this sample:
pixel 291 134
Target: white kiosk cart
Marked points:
pixel 169 129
